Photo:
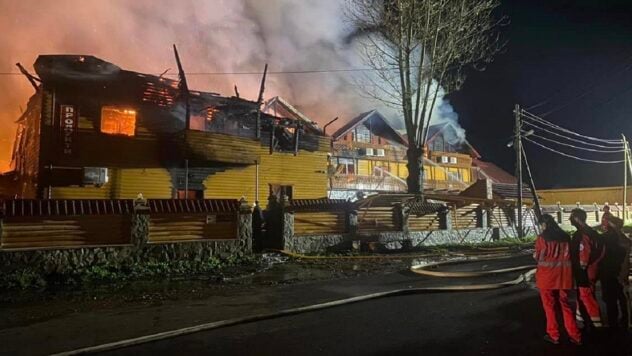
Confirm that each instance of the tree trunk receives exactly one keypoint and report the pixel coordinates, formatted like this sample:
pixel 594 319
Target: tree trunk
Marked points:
pixel 415 173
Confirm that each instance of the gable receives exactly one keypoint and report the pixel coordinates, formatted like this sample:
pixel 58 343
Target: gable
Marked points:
pixel 374 122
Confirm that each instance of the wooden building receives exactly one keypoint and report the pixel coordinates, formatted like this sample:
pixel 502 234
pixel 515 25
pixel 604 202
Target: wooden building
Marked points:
pixel 369 156
pixel 94 130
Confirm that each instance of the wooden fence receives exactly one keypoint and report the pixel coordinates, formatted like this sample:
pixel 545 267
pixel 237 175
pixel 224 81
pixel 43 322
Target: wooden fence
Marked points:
pixel 80 223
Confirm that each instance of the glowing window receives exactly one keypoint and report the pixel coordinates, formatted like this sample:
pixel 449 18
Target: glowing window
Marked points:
pixel 118 121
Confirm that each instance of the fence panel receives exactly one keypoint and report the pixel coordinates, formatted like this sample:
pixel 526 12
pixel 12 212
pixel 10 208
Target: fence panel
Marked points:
pixel 312 223
pixel 164 228
pixel 378 219
pixel 464 217
pixel 65 231
pixel 427 222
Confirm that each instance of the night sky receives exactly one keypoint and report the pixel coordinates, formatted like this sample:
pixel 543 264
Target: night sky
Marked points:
pixel 573 55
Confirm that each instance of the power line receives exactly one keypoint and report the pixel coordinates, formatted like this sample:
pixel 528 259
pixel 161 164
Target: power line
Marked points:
pixel 569 155
pixel 308 71
pixel 568 138
pixel 577 147
pixel 542 121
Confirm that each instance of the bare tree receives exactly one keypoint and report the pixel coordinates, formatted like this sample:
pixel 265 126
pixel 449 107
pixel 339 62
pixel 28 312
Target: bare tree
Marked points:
pixel 418 47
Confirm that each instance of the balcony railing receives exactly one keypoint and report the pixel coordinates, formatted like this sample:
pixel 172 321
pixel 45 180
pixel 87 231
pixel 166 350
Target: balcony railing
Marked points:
pixel 389 184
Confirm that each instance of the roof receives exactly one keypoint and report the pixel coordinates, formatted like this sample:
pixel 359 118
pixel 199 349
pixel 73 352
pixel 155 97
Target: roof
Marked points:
pixel 434 130
pixel 510 191
pixel 493 172
pixel 278 106
pixel 365 116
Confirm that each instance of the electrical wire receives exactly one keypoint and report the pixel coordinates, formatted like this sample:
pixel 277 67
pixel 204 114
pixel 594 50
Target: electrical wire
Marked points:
pixel 570 138
pixel 577 147
pixel 542 121
pixel 569 155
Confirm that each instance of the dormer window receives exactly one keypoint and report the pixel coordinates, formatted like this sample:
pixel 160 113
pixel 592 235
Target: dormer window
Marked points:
pixel 117 120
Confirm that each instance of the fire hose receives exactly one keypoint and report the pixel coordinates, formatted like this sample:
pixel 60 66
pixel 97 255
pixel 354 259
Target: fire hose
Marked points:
pixel 419 269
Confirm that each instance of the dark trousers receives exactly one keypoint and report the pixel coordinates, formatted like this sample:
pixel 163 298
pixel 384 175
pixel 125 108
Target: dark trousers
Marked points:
pixel 615 298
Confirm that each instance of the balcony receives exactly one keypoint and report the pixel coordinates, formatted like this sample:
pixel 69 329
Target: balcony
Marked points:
pixel 367 183
pixel 391 184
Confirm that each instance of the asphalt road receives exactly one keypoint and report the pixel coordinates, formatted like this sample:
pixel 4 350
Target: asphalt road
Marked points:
pixel 501 322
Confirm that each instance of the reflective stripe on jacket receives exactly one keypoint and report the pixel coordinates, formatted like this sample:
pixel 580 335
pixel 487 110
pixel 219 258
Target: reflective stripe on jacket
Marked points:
pixel 554 267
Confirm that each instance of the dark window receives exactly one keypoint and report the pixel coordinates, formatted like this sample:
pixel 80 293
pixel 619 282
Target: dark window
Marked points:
pixel 189 194
pixel 279 191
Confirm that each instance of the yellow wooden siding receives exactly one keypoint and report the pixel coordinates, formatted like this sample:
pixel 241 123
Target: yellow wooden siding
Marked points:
pixel 363 167
pixel 465 175
pixel 438 173
pixel 77 192
pixel 403 170
pixel 599 195
pixel 306 173
pixel 153 183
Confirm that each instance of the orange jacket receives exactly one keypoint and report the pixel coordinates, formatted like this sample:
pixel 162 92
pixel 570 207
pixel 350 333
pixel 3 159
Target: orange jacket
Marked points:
pixel 554 269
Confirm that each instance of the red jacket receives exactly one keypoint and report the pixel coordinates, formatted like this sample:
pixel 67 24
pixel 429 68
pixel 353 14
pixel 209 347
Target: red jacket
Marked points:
pixel 554 270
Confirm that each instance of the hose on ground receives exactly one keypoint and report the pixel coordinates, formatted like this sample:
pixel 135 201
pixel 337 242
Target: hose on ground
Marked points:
pixel 309 308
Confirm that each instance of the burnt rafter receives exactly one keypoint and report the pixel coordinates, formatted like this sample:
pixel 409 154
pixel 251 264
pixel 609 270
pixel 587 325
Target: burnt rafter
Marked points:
pixel 184 89
pixel 31 78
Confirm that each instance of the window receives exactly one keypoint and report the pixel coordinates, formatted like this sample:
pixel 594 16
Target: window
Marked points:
pixel 95 176
pixel 345 166
pixel 379 152
pixel 444 159
pixel 453 160
pixel 362 134
pixel 118 121
pixel 368 152
pixel 279 191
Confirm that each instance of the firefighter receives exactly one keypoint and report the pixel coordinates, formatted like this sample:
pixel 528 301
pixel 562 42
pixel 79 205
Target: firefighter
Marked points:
pixel 586 253
pixel 554 279
pixel 614 271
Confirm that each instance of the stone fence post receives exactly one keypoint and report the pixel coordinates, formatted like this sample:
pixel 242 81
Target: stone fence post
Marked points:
pixel 401 213
pixel 287 232
pixel 482 218
pixel 445 219
pixel 560 213
pixel 140 222
pixel 245 224
pixel 352 222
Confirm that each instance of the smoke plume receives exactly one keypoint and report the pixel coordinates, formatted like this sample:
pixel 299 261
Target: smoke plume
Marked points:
pixel 226 36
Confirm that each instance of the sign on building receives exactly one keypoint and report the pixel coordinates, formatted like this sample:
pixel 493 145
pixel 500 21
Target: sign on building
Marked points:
pixel 68 126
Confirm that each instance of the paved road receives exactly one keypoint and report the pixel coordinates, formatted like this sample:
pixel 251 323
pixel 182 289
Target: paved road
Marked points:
pixel 500 322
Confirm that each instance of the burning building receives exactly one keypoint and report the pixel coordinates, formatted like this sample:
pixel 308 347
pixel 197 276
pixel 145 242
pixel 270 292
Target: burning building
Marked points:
pixel 94 130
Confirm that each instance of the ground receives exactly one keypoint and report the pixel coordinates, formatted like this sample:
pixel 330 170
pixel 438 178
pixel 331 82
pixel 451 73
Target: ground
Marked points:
pixel 498 322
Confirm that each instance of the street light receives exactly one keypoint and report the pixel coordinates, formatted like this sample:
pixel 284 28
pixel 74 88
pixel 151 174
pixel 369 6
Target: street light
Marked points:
pixel 524 134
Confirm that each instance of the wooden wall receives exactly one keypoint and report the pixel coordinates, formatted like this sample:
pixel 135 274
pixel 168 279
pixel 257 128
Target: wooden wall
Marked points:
pixel 599 195
pixel 306 172
pixel 125 183
pixel 314 223
pixel 165 228
pixel 63 231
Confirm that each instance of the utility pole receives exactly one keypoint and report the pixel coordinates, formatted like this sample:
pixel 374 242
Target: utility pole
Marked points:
pixel 518 148
pixel 626 158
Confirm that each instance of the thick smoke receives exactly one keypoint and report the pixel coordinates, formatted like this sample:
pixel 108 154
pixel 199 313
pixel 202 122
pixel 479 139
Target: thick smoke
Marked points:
pixel 212 36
